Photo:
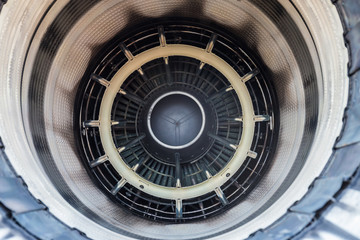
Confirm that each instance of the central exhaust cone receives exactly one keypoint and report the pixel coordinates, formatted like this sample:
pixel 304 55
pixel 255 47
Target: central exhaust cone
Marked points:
pixel 176 120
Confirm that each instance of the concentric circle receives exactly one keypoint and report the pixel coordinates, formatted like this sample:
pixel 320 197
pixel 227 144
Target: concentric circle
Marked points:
pixel 59 57
pixel 225 102
pixel 176 120
pixel 242 148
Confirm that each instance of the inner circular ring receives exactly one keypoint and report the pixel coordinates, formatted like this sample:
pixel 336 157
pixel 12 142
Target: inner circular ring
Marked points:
pixel 242 149
pixel 176 122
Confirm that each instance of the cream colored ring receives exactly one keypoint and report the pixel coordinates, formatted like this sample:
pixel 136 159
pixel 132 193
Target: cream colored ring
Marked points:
pixel 172 192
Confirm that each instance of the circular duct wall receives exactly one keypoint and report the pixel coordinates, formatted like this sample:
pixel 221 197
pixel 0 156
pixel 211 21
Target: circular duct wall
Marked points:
pixel 258 78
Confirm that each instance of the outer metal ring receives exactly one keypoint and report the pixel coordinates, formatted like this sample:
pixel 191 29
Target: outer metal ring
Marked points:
pixel 241 150
pixel 316 15
pixel 184 145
